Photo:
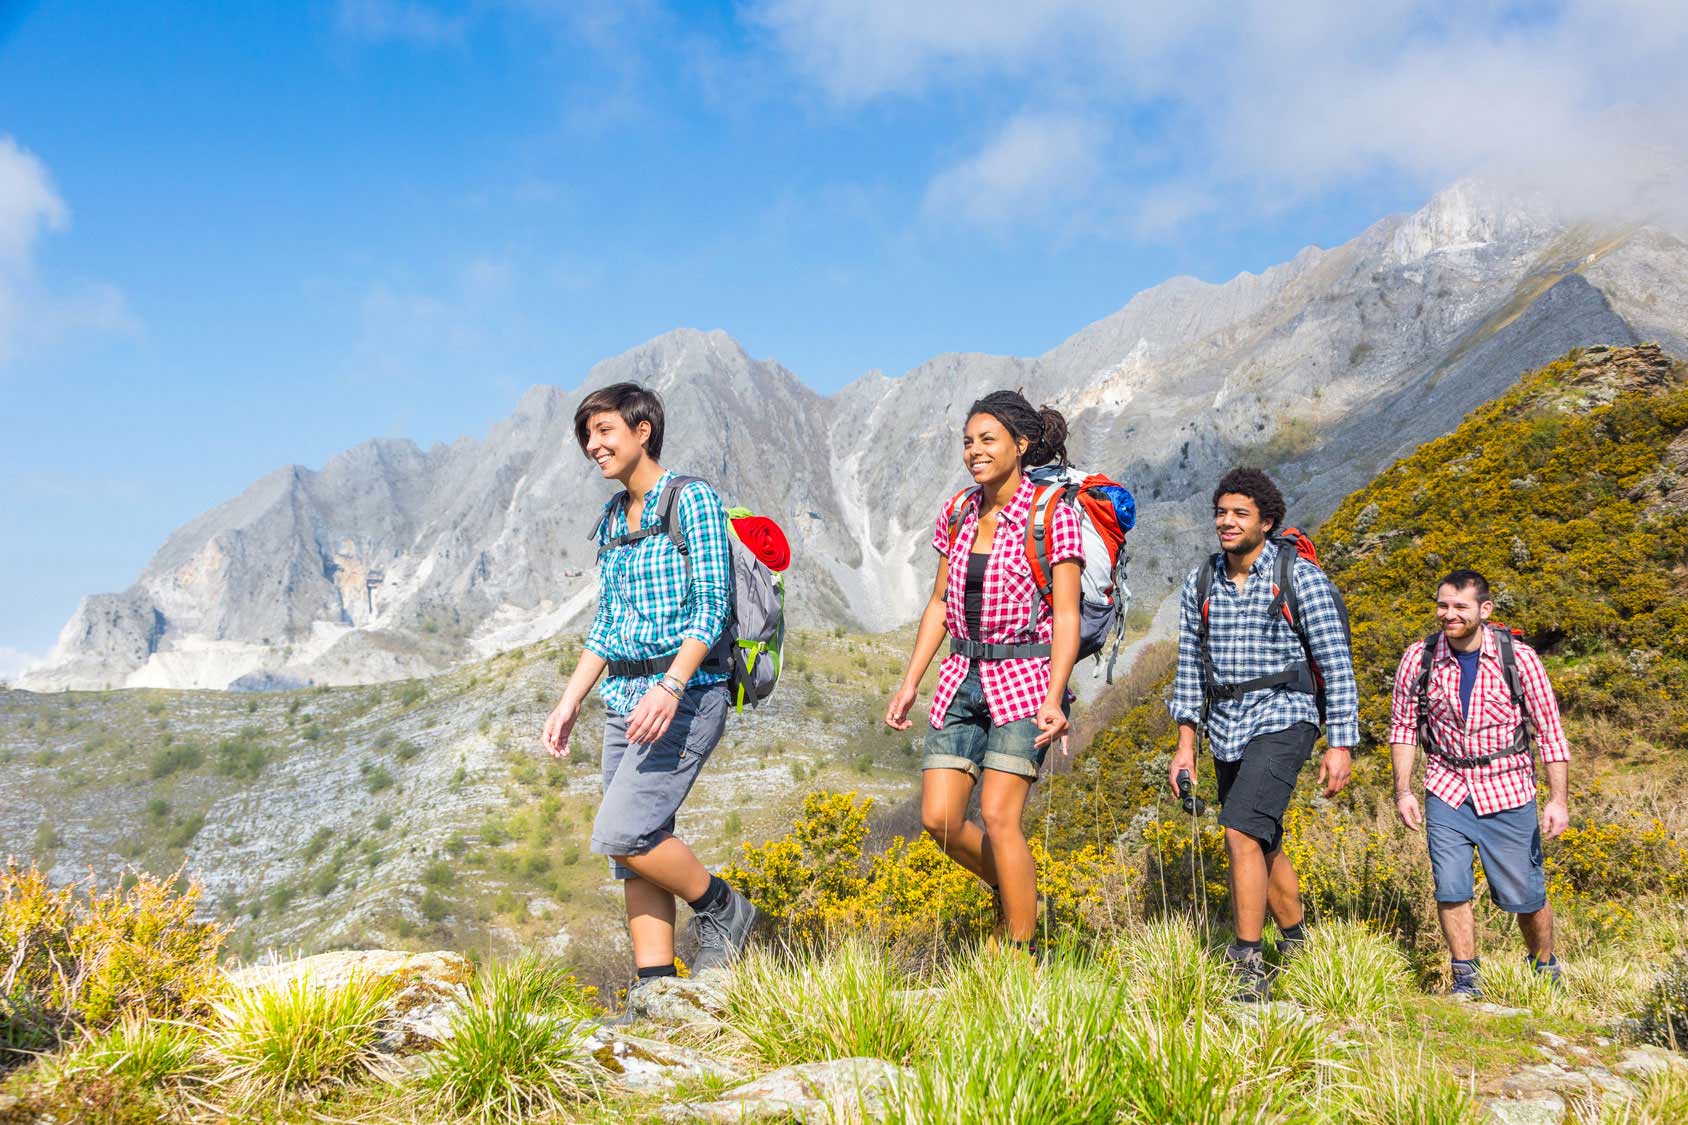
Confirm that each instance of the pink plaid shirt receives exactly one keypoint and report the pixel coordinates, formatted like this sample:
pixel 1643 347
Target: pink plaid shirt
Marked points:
pixel 1013 612
pixel 1506 782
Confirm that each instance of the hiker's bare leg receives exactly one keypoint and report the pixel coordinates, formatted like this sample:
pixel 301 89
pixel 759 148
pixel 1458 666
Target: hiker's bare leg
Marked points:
pixel 1537 927
pixel 1283 889
pixel 1248 884
pixel 1002 802
pixel 671 866
pixel 943 810
pixel 1459 929
pixel 650 922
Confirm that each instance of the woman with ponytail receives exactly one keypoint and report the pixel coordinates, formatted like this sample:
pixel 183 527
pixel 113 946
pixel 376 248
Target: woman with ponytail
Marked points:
pixel 1001 697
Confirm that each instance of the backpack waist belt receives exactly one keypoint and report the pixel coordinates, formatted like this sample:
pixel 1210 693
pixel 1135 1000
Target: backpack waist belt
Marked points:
pixel 1297 677
pixel 656 666
pixel 974 650
pixel 1480 760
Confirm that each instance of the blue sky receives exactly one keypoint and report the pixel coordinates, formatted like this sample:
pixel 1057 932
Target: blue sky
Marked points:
pixel 234 237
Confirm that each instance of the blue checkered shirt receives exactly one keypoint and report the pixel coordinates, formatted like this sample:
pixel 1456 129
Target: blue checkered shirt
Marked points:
pixel 1246 642
pixel 647 601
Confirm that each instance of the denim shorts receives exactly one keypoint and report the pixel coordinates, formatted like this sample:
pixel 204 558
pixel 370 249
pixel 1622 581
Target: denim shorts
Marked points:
pixel 969 741
pixel 1509 843
pixel 646 782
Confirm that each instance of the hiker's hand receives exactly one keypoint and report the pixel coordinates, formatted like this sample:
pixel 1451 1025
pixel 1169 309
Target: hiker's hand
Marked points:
pixel 559 726
pixel 896 715
pixel 1334 770
pixel 1406 807
pixel 1051 723
pixel 650 719
pixel 1555 818
pixel 1183 761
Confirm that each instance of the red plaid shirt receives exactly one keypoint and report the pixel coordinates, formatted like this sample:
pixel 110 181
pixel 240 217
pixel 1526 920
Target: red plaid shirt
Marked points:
pixel 1489 727
pixel 1013 612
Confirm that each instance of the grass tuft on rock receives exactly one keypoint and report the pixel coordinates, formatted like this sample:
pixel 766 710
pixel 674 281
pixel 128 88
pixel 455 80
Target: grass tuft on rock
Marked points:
pixel 518 1048
pixel 281 1038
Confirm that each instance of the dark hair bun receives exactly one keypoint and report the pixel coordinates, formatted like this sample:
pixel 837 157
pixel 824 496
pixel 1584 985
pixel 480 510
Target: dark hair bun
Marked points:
pixel 1051 445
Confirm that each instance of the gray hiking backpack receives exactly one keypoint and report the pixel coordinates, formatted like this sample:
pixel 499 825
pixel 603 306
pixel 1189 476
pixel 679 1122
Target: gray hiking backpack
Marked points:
pixel 753 639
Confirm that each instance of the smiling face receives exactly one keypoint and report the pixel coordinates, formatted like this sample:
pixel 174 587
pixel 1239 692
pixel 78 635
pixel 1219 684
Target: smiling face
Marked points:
pixel 1460 612
pixel 988 451
pixel 614 446
pixel 1236 519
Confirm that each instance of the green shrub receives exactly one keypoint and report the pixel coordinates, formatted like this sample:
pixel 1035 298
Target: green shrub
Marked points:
pixel 318 843
pixel 407 751
pixel 173 759
pixel 183 832
pixel 439 874
pixel 378 779
pixel 434 907
pixel 1664 1016
pixel 243 757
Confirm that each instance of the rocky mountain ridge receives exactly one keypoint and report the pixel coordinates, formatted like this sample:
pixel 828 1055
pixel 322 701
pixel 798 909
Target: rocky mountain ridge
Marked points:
pixel 394 561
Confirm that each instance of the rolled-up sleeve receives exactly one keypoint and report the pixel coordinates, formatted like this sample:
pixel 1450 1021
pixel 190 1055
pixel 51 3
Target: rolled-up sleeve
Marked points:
pixel 1544 708
pixel 704 522
pixel 1329 642
pixel 1403 703
pixel 1186 705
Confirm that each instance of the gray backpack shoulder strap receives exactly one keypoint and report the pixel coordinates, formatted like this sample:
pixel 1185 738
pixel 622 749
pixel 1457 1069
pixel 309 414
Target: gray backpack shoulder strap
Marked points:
pixel 665 505
pixel 1509 672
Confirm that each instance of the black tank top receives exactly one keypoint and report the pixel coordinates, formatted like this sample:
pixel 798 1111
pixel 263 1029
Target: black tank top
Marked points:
pixel 973 605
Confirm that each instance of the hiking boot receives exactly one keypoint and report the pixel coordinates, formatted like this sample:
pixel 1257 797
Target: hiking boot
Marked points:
pixel 1465 985
pixel 722 933
pixel 1254 979
pixel 1288 948
pixel 1548 968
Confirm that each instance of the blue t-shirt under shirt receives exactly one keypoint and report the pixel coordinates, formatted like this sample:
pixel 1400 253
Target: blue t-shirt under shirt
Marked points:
pixel 1467 678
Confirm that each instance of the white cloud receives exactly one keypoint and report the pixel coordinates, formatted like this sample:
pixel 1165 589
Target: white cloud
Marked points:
pixel 402 20
pixel 1037 160
pixel 1284 99
pixel 14 662
pixel 30 206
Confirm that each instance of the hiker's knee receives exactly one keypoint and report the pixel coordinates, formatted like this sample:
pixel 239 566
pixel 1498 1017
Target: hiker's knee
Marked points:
pixel 942 820
pixel 1002 819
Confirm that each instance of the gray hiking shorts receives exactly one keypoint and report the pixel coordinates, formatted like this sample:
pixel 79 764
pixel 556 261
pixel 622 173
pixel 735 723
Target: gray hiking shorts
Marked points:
pixel 646 782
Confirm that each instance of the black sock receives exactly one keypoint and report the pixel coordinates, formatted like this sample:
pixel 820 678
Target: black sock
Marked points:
pixel 1471 964
pixel 1292 933
pixel 650 971
pixel 712 899
pixel 1241 944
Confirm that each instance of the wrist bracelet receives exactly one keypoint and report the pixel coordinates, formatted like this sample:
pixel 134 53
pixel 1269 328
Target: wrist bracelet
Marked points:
pixel 673 685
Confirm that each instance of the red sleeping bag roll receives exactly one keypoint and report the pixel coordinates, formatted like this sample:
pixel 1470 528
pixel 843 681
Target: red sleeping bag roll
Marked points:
pixel 765 540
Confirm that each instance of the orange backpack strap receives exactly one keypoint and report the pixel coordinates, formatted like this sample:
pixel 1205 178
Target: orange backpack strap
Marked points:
pixel 955 513
pixel 1037 538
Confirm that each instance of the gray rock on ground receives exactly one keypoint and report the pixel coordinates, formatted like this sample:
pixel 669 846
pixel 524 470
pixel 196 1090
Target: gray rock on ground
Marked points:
pixel 649 1066
pixel 854 1089
pixel 688 1001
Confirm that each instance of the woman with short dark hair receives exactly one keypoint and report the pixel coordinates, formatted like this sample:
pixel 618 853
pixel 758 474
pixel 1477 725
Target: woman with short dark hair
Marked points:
pixel 660 614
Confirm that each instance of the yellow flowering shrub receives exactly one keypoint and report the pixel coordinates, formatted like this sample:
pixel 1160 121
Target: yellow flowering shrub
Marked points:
pixel 1605 861
pixel 816 880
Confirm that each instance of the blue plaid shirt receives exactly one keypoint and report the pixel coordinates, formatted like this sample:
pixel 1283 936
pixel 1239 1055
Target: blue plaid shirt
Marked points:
pixel 647 604
pixel 1247 642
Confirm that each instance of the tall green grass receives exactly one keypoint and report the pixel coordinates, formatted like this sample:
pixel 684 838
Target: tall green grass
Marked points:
pixel 1348 971
pixel 518 1048
pixel 1400 1089
pixel 144 1051
pixel 851 1001
pixel 280 1038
